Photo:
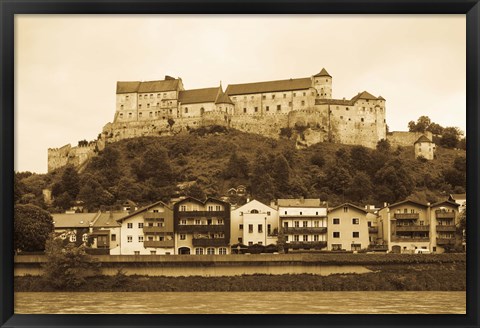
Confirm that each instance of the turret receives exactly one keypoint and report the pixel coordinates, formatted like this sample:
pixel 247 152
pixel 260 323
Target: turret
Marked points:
pixel 322 82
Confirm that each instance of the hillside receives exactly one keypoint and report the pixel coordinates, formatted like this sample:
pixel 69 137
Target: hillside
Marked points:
pixel 209 161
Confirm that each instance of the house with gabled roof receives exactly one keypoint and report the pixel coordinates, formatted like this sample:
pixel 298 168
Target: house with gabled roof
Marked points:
pixel 348 228
pixel 425 148
pixel 202 227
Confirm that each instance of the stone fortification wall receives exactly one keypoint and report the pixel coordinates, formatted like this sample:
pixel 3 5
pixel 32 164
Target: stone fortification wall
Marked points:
pixel 68 155
pixel 404 139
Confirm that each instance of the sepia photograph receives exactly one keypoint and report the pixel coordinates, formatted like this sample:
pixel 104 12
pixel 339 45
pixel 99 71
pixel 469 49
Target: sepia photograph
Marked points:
pixel 240 164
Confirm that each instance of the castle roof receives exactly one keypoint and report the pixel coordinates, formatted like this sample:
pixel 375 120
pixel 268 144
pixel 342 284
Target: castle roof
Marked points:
pixel 196 96
pixel 323 72
pixel 364 95
pixel 147 86
pixel 269 86
pixel 423 138
pixel 223 98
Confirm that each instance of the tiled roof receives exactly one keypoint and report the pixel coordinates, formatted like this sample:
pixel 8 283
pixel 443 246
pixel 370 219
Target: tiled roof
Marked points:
pixel 408 201
pixel 223 98
pixel 323 72
pixel 73 220
pixel 423 139
pixel 380 98
pixel 364 95
pixel 349 205
pixel 109 219
pixel 458 196
pixel 196 96
pixel 148 86
pixel 143 209
pixel 269 86
pixel 299 202
pixel 449 202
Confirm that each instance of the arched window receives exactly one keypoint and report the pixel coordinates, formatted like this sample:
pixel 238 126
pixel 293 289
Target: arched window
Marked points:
pixel 210 251
pixel 202 110
pixel 254 211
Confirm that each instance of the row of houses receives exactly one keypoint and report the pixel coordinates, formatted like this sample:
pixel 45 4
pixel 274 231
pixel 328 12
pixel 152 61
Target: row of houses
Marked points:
pixel 192 226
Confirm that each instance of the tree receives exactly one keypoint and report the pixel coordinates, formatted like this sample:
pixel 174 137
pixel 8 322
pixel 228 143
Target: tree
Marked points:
pixel 395 177
pixel 435 128
pixel 281 172
pixel 156 166
pixel 32 226
pixel 67 266
pixel 383 146
pixel 360 188
pixel 422 124
pixel 360 158
pixel 196 192
pixel 237 167
pixel 450 137
pixel 337 179
pixel 317 160
pixel 70 181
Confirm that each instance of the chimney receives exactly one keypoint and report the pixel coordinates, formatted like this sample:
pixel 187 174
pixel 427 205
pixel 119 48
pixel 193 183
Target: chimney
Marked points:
pixel 385 204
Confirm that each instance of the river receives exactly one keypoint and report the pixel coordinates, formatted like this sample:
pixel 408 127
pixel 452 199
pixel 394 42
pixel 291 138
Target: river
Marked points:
pixel 242 303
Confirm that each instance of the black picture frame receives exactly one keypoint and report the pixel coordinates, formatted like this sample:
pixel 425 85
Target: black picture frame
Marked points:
pixel 9 8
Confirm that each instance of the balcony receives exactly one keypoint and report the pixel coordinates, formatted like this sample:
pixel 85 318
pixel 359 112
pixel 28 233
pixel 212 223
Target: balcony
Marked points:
pixel 206 242
pixel 446 241
pixel 305 230
pixel 410 239
pixel 424 228
pixel 191 228
pixel 372 229
pixel 406 216
pixel 444 215
pixel 147 229
pixel 158 243
pixel 153 215
pixel 306 244
pixel 205 214
pixel 447 228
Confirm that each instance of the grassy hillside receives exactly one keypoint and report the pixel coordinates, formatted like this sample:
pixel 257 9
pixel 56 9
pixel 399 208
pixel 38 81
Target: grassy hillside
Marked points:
pixel 208 162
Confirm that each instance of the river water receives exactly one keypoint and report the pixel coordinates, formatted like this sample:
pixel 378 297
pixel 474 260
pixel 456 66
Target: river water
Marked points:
pixel 242 303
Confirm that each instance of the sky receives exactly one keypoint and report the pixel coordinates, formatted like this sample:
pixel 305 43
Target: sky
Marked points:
pixel 67 66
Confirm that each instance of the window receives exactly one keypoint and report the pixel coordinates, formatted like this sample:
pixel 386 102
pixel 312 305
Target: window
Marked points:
pixel 121 115
pixel 269 229
pixel 85 237
pixel 129 225
pixel 316 224
pixel 250 243
pixel 244 110
pixel 126 97
pixel 369 224
pixel 140 239
pixel 210 208
pixel 140 225
pixel 345 209
pixel 150 114
pixel 129 239
pixel 158 95
pixel 279 107
pixel 303 102
pixel 140 106
pixel 186 110
pixel 294 94
pixel 336 234
pixel 121 106
pixel 267 108
pixel 268 213
pixel 296 238
pixel 183 237
pixel 355 234
pixel 240 227
pixel 315 237
pixel 220 221
pixel 153 252
pixel 148 106
pixel 290 103
pixel 355 221
pixel 286 237
pixel 240 240
pixel 113 237
pixel 136 253
pixel 285 224
pixel 422 223
pixel 305 237
pixel 210 251
pixel 336 247
pixel 285 212
pixel 361 119
pixel 296 224
pixel 183 208
pixel 218 208
pixel 140 114
pixel 304 94
pixel 256 109
pixel 305 224
pixel 198 221
pixel 150 238
pixel 273 96
pixel 250 228
pixel 199 251
pixel 139 96
pixel 264 97
pixel 284 95
pixel 260 243
pixel 183 222
pixel 222 251
pixel 260 228
pixel 336 221
pixel 73 237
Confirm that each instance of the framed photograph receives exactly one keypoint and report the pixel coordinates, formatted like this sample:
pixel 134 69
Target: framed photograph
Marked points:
pixel 228 163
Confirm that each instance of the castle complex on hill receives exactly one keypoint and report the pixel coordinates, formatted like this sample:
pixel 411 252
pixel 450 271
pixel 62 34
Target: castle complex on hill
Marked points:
pixel 162 108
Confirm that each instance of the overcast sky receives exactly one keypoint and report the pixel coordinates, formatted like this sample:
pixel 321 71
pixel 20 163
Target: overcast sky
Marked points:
pixel 66 66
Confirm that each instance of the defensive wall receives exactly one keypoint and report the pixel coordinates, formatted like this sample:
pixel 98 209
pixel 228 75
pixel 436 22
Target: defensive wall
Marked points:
pixel 405 138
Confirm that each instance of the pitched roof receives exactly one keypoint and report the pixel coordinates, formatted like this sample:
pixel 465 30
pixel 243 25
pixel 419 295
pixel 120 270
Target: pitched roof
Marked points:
pixel 147 86
pixel 423 138
pixel 458 196
pixel 299 202
pixel 73 220
pixel 108 219
pixel 349 205
pixel 269 86
pixel 323 72
pixel 408 201
pixel 223 98
pixel 380 98
pixel 143 209
pixel 258 202
pixel 364 95
pixel 196 96
pixel 449 202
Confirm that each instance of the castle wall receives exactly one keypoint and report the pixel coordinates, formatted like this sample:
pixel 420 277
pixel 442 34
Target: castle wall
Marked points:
pixel 195 110
pixel 323 85
pixel 404 139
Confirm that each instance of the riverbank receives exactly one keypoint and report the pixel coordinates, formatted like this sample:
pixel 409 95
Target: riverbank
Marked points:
pixel 438 276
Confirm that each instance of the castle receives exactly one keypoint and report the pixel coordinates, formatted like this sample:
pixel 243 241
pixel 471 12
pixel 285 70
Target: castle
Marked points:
pixel 164 107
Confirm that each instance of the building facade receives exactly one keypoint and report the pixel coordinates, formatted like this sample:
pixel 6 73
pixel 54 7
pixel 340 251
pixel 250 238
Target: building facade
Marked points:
pixel 202 227
pixel 425 148
pixel 147 231
pixel 254 223
pixel 348 228
pixel 302 223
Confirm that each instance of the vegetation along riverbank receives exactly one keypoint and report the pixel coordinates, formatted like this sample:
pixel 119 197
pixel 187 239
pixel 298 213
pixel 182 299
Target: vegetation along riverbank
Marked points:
pixel 413 276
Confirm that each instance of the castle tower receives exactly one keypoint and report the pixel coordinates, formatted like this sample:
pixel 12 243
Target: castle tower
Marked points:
pixel 322 82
